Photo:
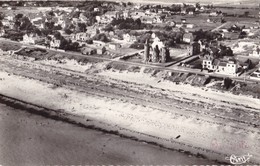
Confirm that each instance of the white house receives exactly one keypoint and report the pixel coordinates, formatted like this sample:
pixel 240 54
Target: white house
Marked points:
pixel 55 43
pixel 129 38
pixel 31 38
pixel 188 37
pixel 255 53
pixel 220 66
pixel 2 32
pixel 189 26
pixel 114 46
pixel 96 9
pixel 213 14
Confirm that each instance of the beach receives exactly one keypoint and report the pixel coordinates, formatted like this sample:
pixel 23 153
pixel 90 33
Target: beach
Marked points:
pixel 29 139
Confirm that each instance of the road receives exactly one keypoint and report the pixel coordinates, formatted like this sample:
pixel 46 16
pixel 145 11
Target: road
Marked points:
pixel 153 66
pixel 217 28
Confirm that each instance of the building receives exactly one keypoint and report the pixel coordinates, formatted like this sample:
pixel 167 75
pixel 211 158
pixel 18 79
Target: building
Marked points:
pixel 255 53
pixel 55 43
pixel 2 32
pixel 98 43
pixel 96 9
pixel 101 50
pixel 157 52
pixel 190 26
pixel 32 38
pixel 88 51
pixel 188 38
pixel 213 14
pixel 194 48
pixel 82 36
pixel 114 46
pixel 221 66
pixel 129 38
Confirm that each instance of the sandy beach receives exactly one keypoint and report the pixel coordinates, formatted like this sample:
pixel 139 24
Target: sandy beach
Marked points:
pixel 160 126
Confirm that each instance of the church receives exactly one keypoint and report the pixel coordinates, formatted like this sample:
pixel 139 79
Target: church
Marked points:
pixel 157 52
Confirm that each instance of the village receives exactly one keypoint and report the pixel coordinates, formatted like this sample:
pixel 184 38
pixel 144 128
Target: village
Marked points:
pixel 191 36
pixel 179 78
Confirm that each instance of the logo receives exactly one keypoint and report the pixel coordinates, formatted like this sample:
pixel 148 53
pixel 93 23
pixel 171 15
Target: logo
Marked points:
pixel 238 159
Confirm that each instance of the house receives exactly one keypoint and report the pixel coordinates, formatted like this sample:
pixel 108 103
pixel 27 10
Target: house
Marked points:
pixel 114 46
pixel 257 73
pixel 227 67
pixel 1 52
pixel 179 25
pixel 148 20
pixel 255 53
pixel 32 38
pixel 126 14
pixel 246 30
pixel 194 48
pixel 119 14
pixel 129 38
pixel 213 14
pixel 88 51
pixel 5 5
pixel 2 32
pixel 10 18
pixel 183 20
pixel 98 43
pixel 96 9
pixel 80 36
pixel 6 22
pixel 101 50
pixel 221 66
pixel 191 13
pixel 157 20
pixel 55 43
pixel 188 38
pixel 189 26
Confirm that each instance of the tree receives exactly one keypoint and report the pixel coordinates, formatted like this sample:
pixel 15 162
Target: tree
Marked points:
pixel 26 24
pixel 108 28
pixel 82 27
pixel 68 31
pixel 58 27
pixel 51 13
pixel 57 35
pixel 18 16
pixel 102 37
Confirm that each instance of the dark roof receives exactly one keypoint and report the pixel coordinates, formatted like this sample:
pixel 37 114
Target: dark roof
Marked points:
pixel 215 62
pixel 223 64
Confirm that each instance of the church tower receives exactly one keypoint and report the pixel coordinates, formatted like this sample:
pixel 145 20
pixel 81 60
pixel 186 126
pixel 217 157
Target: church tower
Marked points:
pixel 146 51
pixel 156 54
